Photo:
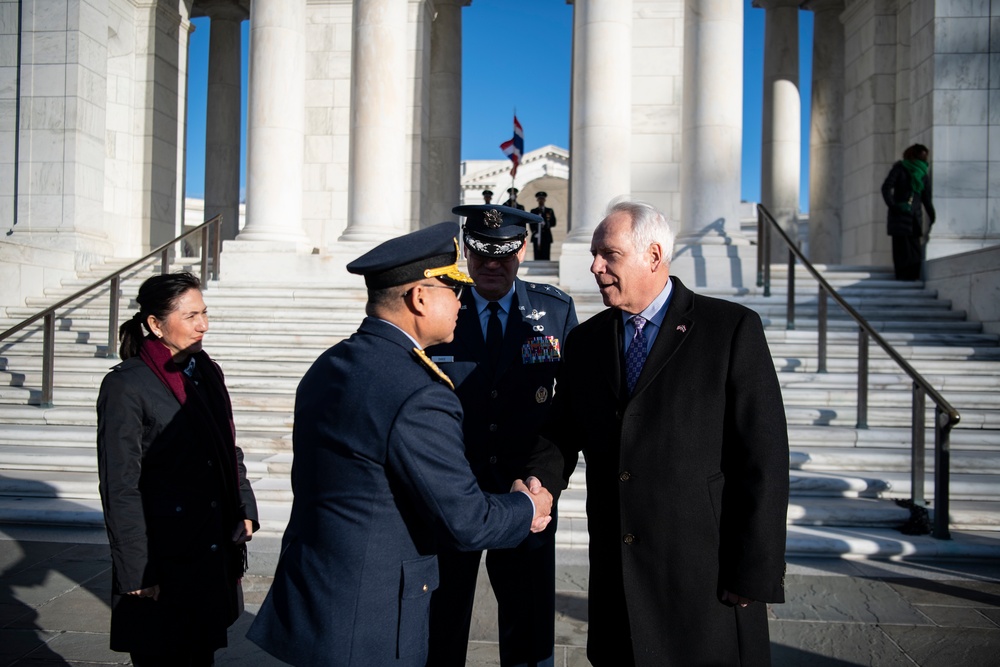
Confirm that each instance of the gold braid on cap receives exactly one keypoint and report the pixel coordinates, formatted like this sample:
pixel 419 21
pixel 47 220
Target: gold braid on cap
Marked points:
pixel 431 366
pixel 450 271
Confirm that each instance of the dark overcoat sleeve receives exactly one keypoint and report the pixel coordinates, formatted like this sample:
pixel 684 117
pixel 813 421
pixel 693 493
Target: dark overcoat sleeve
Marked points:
pixel 755 464
pixel 120 432
pixel 426 454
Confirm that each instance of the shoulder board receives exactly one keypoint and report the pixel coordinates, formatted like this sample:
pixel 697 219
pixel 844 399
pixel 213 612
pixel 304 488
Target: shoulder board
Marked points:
pixel 549 290
pixel 433 368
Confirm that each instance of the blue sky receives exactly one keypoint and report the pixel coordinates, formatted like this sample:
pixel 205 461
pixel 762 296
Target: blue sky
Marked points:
pixel 498 77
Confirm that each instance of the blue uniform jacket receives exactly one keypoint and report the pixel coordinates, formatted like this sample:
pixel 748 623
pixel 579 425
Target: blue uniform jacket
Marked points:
pixel 504 412
pixel 379 478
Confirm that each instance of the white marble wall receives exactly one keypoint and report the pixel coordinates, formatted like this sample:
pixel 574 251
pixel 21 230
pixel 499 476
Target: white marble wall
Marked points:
pixel 951 57
pixel 8 108
pixel 120 209
pixel 922 71
pixel 328 120
pixel 971 281
pixel 869 127
pixel 657 92
pixel 155 121
pixel 61 175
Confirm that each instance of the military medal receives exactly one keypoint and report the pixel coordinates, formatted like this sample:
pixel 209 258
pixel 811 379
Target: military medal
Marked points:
pixel 540 349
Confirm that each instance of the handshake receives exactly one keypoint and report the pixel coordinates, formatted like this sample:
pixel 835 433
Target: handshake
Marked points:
pixel 542 499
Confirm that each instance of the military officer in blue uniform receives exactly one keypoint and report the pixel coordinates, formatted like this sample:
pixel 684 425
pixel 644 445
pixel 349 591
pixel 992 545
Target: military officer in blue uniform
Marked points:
pixel 503 362
pixel 380 478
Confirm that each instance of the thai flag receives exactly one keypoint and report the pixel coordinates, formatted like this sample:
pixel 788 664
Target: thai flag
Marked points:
pixel 515 147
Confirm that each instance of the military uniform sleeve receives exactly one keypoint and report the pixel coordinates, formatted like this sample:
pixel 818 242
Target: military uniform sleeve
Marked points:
pixel 427 454
pixel 119 466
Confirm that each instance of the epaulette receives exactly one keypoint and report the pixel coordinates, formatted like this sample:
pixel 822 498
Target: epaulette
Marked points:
pixel 432 367
pixel 542 288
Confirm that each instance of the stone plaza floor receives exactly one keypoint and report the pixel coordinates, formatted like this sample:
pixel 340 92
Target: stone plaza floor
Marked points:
pixel 54 598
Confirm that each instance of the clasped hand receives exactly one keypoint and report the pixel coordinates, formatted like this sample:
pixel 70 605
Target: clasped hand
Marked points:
pixel 542 499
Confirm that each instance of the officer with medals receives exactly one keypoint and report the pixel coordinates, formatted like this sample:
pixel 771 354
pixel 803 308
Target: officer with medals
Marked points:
pixel 380 480
pixel 503 361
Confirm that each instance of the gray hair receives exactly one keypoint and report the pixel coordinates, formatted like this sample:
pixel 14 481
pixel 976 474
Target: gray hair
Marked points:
pixel 649 225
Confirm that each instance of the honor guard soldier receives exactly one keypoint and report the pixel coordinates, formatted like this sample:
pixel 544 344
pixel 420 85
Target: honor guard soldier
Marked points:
pixel 487 196
pixel 512 199
pixel 503 361
pixel 541 232
pixel 380 479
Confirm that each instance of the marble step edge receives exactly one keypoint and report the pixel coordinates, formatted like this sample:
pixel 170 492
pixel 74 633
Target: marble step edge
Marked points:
pixel 935 370
pixel 274 516
pixel 280 397
pixel 278 420
pixel 933 346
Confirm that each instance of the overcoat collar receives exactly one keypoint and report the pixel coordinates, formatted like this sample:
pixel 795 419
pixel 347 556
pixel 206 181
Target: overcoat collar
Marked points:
pixel 677 325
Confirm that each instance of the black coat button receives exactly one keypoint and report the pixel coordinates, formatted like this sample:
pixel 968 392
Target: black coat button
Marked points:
pixel 493 459
pixel 630 538
pixel 625 475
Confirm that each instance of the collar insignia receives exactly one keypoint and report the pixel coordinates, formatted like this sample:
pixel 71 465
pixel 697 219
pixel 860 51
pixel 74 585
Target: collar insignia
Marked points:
pixel 431 366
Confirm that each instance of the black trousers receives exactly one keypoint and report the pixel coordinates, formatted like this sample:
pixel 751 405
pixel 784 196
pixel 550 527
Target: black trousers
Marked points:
pixel 906 257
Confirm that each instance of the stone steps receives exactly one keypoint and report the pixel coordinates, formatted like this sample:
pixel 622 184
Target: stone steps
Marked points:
pixel 844 480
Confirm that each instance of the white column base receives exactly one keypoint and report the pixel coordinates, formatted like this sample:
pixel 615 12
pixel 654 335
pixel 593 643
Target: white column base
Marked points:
pixel 574 268
pixel 254 262
pixel 715 266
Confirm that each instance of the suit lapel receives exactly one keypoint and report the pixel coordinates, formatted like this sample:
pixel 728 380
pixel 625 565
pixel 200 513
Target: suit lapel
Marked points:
pixel 609 359
pixel 468 329
pixel 676 327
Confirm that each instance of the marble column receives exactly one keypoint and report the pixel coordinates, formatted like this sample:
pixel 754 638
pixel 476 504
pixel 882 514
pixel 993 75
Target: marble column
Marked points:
pixel 445 141
pixel 826 150
pixel 183 58
pixel 276 126
pixel 712 122
pixel 601 126
pixel 377 169
pixel 780 146
pixel 222 123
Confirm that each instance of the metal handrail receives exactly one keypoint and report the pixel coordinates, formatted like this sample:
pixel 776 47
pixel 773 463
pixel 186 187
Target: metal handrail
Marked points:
pixel 945 416
pixel 48 314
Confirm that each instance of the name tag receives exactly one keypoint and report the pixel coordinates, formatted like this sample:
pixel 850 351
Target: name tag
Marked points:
pixel 540 349
pixel 447 359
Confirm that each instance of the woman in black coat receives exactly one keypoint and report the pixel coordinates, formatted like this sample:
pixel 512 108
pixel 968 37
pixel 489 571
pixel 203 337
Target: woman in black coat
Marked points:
pixel 906 188
pixel 177 504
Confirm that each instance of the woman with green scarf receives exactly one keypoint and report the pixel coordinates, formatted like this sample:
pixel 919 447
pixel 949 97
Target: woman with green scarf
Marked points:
pixel 906 188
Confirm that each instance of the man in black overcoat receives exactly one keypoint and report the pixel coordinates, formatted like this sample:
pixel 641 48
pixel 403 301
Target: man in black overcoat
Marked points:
pixel 505 384
pixel 680 418
pixel 380 478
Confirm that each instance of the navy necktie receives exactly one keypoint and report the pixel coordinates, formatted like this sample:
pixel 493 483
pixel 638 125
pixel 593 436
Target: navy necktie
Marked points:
pixel 494 334
pixel 635 356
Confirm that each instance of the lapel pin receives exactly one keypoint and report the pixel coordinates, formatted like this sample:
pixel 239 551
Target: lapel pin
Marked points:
pixel 682 328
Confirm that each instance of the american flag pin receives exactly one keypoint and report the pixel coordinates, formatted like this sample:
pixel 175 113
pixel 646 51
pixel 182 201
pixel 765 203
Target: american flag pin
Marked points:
pixel 682 328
